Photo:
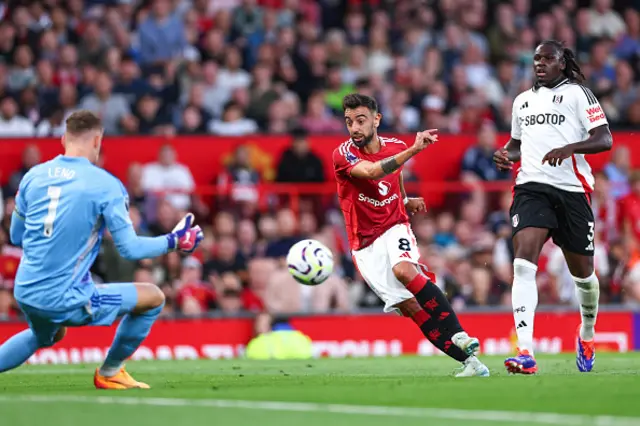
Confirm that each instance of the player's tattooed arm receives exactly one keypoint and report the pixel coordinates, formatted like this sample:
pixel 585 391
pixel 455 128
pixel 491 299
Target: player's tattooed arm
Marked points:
pixel 389 165
pixel 386 166
pixel 381 168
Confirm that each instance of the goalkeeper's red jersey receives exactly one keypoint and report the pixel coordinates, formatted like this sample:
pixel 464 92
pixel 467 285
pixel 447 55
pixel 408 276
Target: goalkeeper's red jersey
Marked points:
pixel 370 207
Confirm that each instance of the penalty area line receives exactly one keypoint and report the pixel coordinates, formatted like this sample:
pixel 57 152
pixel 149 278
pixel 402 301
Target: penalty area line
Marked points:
pixel 364 410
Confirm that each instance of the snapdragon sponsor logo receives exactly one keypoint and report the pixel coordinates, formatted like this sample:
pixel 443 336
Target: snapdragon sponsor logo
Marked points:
pixel 377 203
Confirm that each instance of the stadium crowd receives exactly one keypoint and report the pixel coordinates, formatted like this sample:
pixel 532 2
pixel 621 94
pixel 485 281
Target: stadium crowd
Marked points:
pixel 237 67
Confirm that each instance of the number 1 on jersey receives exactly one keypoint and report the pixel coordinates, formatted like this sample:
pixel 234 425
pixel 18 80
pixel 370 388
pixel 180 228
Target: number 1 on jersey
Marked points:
pixel 53 192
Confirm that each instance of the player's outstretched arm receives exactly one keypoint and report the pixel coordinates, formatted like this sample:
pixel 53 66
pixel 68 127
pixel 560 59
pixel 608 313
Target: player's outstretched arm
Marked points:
pixel 185 237
pixel 386 166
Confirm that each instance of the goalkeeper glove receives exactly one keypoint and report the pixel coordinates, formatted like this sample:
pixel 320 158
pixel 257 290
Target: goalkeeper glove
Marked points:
pixel 184 237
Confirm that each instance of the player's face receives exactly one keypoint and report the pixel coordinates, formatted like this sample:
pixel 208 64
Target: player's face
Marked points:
pixel 547 64
pixel 362 124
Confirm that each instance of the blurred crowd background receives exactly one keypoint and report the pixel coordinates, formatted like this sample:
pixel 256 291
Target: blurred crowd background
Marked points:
pixel 243 67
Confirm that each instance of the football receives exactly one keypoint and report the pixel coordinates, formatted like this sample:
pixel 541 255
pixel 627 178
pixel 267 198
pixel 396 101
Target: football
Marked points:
pixel 310 262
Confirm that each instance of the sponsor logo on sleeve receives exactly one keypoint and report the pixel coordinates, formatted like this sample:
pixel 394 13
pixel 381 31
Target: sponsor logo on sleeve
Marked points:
pixel 351 158
pixel 595 113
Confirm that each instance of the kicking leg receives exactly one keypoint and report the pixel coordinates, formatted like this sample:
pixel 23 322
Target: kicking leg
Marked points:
pixel 527 244
pixel 435 305
pixel 142 304
pixel 588 294
pixel 429 327
pixel 432 313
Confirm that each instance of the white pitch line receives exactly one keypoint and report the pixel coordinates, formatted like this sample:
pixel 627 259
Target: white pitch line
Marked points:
pixel 433 413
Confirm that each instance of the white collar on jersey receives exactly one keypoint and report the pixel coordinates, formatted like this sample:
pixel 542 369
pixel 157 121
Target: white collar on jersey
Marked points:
pixel 536 87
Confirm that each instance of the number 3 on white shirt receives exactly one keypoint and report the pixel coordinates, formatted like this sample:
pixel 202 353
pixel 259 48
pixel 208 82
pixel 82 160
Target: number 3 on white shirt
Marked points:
pixel 53 192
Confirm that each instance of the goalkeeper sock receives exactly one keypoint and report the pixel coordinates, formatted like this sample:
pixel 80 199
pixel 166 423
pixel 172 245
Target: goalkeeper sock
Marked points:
pixel 429 327
pixel 133 329
pixel 588 293
pixel 524 300
pixel 17 350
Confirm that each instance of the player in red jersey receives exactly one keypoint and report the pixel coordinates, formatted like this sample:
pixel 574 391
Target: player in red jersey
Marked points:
pixel 372 198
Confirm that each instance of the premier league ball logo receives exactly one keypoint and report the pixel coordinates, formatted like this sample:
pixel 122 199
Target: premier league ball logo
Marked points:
pixel 351 158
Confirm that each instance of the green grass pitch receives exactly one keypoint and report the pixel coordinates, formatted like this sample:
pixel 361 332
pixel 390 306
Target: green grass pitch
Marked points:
pixel 405 391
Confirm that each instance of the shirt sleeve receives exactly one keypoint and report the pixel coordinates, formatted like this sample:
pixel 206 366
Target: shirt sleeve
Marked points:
pixel 115 211
pixel 20 208
pixel 516 131
pixel 589 110
pixel 344 160
pixel 115 207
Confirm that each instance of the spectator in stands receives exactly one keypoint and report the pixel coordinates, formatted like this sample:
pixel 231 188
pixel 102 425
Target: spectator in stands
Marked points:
pixel 30 157
pixel 604 21
pixel 113 108
pixel 247 239
pixel 298 163
pixel 162 36
pixel 233 123
pixel 12 124
pixel 214 93
pixel 53 124
pixel 129 81
pixel 229 294
pixel 23 73
pixel 263 94
pixel 628 45
pixel 478 160
pixel 605 209
pixel 226 258
pixel 232 75
pixel 192 122
pixel 318 118
pixel 626 93
pixel 152 118
pixel 618 170
pixel 168 178
pixel 239 179
pixel 193 296
pixel 92 48
pixel 254 293
pixel 284 295
pixel 287 235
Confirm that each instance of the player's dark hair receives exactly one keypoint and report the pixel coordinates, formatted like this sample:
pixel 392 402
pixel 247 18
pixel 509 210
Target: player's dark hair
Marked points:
pixel 571 70
pixel 83 121
pixel 355 100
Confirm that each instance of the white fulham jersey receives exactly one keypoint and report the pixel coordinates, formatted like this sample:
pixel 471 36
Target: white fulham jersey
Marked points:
pixel 545 119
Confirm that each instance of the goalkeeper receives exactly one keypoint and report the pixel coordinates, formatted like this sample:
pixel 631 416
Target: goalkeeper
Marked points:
pixel 63 207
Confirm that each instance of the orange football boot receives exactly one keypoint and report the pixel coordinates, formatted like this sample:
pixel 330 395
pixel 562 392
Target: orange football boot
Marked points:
pixel 120 381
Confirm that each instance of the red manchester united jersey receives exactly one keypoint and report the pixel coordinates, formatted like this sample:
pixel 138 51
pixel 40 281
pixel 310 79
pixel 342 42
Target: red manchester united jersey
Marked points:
pixel 370 207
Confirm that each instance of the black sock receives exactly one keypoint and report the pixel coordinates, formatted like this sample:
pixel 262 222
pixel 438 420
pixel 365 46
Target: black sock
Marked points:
pixel 442 322
pixel 432 331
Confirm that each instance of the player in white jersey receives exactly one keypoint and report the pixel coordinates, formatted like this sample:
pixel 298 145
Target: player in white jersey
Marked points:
pixel 554 125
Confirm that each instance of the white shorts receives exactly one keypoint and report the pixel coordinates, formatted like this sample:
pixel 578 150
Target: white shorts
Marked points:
pixel 376 261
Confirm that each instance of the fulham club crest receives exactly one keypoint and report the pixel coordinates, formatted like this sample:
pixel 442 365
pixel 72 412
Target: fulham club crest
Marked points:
pixel 557 99
pixel 515 220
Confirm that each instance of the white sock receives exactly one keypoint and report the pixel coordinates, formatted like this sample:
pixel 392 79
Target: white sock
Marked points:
pixel 588 292
pixel 109 371
pixel 524 299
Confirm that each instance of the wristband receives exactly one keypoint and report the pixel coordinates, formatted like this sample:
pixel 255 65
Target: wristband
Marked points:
pixel 406 200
